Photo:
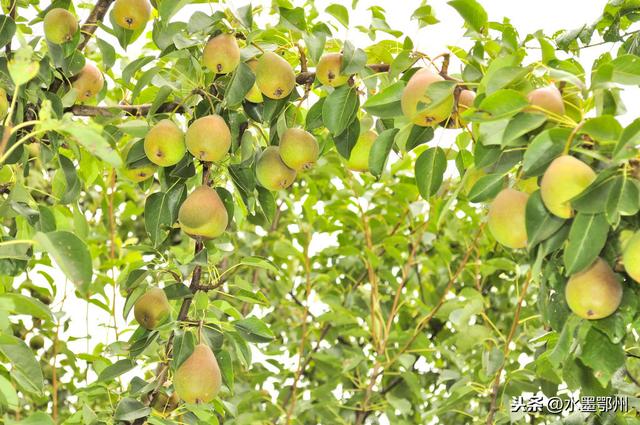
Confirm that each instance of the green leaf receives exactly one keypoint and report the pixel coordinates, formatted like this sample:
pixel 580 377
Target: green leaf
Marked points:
pixel 626 70
pixel 253 330
pixel 26 370
pixel 386 104
pixel 70 254
pixel 242 81
pixel 93 142
pixel 37 418
pixel 339 110
pixel 487 187
pixel 429 171
pixel 472 12
pixel 603 129
pixel 380 151
pixel 7 29
pixel 501 104
pixel 623 199
pixel 520 125
pixel 586 239
pixel 627 144
pixel 544 148
pixel 120 367
pixel 161 211
pixel 20 304
pixel 504 77
pixel 226 367
pixel 601 355
pixel 540 223
pixel 353 59
pixel 22 67
pixel 129 409
pixel 347 140
pixel 339 12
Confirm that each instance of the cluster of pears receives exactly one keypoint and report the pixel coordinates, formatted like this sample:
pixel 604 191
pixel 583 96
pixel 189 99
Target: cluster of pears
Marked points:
pixel 277 166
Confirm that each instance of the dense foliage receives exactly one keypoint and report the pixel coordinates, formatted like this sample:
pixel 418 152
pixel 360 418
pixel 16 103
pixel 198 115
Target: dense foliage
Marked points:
pixel 448 232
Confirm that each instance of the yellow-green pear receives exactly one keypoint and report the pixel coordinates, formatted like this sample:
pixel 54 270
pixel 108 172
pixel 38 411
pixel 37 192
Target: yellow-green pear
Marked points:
pixel 359 156
pixel 88 82
pixel 595 292
pixel 466 99
pixel 208 138
pixel 566 178
pixel 59 25
pixel 416 104
pixel 4 103
pixel 164 144
pixel 298 149
pixel 36 342
pixel 151 308
pixel 203 214
pixel 631 257
pixel 507 218
pixel 271 172
pixel 328 70
pixel 221 54
pixel 131 14
pixel 139 174
pixel 274 76
pixel 254 95
pixel 548 99
pixel 198 378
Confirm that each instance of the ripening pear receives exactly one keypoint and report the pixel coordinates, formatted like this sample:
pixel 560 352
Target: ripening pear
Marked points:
pixel 359 157
pixel 547 98
pixel 4 103
pixel 198 379
pixel 164 144
pixel 271 172
pixel 507 218
pixel 139 174
pixel 254 95
pixel 59 25
pixel 631 257
pixel 466 99
pixel 221 54
pixel 328 70
pixel 595 292
pixel 416 103
pixel 131 14
pixel 208 138
pixel 274 76
pixel 151 308
pixel 203 214
pixel 299 150
pixel 164 403
pixel 566 178
pixel 88 82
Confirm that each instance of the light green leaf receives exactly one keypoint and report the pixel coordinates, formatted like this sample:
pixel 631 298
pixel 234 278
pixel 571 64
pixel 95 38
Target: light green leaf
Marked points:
pixel 70 254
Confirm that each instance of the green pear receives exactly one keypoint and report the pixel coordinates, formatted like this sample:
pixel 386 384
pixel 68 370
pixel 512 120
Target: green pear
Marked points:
pixel 416 104
pixel 221 54
pixel 36 342
pixel 631 257
pixel 298 149
pixel 152 308
pixel 203 214
pixel 164 403
pixel 131 14
pixel 59 25
pixel 328 70
pixel 164 144
pixel 139 174
pixel 198 378
pixel 208 138
pixel 359 157
pixel 565 178
pixel 274 76
pixel 595 292
pixel 507 218
pixel 88 82
pixel 271 172
pixel 254 95
pixel 548 99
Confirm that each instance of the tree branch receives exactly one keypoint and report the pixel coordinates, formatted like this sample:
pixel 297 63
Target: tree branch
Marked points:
pixel 309 77
pixel 91 24
pixel 134 110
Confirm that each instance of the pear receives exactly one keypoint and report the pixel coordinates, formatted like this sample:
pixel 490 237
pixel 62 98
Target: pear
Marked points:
pixel 131 14
pixel 416 104
pixel 198 378
pixel 466 98
pixel 59 25
pixel 359 157
pixel 221 54
pixel 203 214
pixel 547 98
pixel 254 95
pixel 151 308
pixel 566 178
pixel 595 292
pixel 507 218
pixel 631 257
pixel 88 82
pixel 328 70
pixel 139 174
pixel 274 76
pixel 36 342
pixel 298 149
pixel 208 138
pixel 164 403
pixel 164 144
pixel 271 172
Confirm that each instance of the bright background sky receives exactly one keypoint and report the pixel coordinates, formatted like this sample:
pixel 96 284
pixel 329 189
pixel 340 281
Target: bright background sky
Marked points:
pixel 526 16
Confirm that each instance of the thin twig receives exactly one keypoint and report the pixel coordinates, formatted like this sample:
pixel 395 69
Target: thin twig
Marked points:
pixel 90 26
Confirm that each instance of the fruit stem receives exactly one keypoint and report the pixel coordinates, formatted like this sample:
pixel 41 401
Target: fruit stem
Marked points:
pixel 572 136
